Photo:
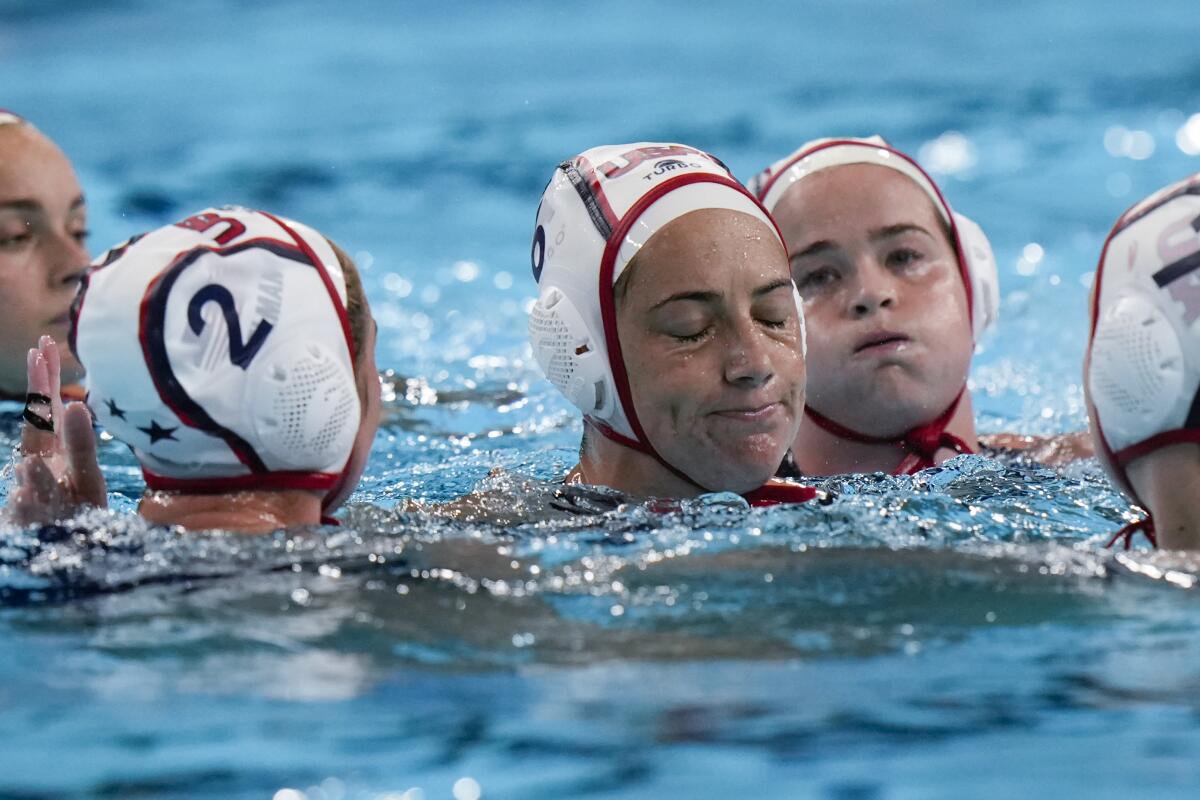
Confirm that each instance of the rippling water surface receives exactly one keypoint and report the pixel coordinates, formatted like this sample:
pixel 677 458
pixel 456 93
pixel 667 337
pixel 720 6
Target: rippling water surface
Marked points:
pixel 958 634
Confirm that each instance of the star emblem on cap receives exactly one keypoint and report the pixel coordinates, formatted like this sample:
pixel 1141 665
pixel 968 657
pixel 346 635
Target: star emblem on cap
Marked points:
pixel 115 409
pixel 157 432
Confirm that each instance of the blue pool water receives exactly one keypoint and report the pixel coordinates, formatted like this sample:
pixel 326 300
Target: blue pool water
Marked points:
pixel 960 634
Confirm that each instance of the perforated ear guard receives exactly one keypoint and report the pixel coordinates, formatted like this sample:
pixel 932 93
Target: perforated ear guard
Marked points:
pixel 1142 369
pixel 570 355
pixel 218 349
pixel 1137 371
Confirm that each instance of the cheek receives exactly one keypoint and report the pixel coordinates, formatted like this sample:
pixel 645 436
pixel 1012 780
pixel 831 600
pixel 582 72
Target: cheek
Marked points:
pixel 941 297
pixel 20 302
pixel 662 390
pixel 826 330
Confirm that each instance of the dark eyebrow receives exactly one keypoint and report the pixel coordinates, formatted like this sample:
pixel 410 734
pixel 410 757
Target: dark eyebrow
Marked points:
pixel 708 297
pixel 896 230
pixel 699 297
pixel 20 205
pixel 772 286
pixel 887 232
pixel 818 246
pixel 34 206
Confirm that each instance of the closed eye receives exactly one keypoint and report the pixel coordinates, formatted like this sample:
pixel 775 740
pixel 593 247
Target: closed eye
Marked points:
pixel 15 240
pixel 689 337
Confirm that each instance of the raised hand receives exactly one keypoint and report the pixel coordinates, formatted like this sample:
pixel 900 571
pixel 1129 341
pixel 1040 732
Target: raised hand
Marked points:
pixel 57 474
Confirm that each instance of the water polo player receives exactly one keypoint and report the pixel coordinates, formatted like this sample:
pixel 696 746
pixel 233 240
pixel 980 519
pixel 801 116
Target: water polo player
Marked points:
pixel 897 288
pixel 667 315
pixel 43 232
pixel 1142 368
pixel 233 352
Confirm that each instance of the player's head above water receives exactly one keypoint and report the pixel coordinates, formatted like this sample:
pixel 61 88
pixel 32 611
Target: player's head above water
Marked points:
pixel 232 351
pixel 1142 368
pixel 667 315
pixel 897 288
pixel 43 230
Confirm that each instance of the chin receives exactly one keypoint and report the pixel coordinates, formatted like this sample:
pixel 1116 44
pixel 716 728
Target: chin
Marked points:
pixel 72 371
pixel 742 473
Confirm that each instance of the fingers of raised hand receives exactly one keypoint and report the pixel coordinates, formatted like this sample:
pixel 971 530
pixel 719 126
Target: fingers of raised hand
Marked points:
pixel 83 468
pixel 50 351
pixel 37 433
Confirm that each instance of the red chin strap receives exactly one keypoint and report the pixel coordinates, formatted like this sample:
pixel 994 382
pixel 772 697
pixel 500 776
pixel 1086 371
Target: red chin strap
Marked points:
pixel 1126 534
pixel 642 447
pixel 921 442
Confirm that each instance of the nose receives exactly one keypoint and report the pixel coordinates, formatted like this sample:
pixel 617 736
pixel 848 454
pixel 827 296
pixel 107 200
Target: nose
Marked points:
pixel 876 290
pixel 68 260
pixel 748 358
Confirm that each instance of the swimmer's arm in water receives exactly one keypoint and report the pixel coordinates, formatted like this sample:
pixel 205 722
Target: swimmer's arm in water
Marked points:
pixel 57 474
pixel 1054 451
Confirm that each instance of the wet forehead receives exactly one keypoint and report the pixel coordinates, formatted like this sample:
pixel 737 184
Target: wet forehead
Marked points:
pixel 33 168
pixel 854 194
pixel 709 249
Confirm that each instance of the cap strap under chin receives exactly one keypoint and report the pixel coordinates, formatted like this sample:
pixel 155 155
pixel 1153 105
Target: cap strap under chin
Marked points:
pixel 616 359
pixel 634 444
pixel 921 443
pixel 1126 534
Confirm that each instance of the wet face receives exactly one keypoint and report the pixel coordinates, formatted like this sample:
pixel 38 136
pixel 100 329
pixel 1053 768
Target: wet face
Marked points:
pixel 711 339
pixel 889 335
pixel 43 228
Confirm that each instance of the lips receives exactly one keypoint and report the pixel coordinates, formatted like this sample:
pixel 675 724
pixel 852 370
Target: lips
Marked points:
pixel 881 341
pixel 752 416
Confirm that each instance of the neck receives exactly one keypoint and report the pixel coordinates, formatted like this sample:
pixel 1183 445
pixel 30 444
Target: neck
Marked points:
pixel 604 462
pixel 821 452
pixel 260 511
pixel 1168 482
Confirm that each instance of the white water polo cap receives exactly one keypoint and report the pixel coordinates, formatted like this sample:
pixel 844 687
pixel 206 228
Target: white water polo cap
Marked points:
pixel 599 209
pixel 1142 368
pixel 220 351
pixel 975 258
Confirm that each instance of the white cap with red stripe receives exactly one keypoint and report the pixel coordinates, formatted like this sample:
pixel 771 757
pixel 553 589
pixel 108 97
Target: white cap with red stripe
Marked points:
pixel 975 257
pixel 219 350
pixel 1142 368
pixel 599 209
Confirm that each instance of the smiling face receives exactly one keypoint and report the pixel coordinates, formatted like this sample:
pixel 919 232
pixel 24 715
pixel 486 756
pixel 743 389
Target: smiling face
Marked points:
pixel 890 338
pixel 711 339
pixel 43 227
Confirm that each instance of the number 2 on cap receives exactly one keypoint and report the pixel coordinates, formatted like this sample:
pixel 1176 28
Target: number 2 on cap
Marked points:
pixel 240 353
